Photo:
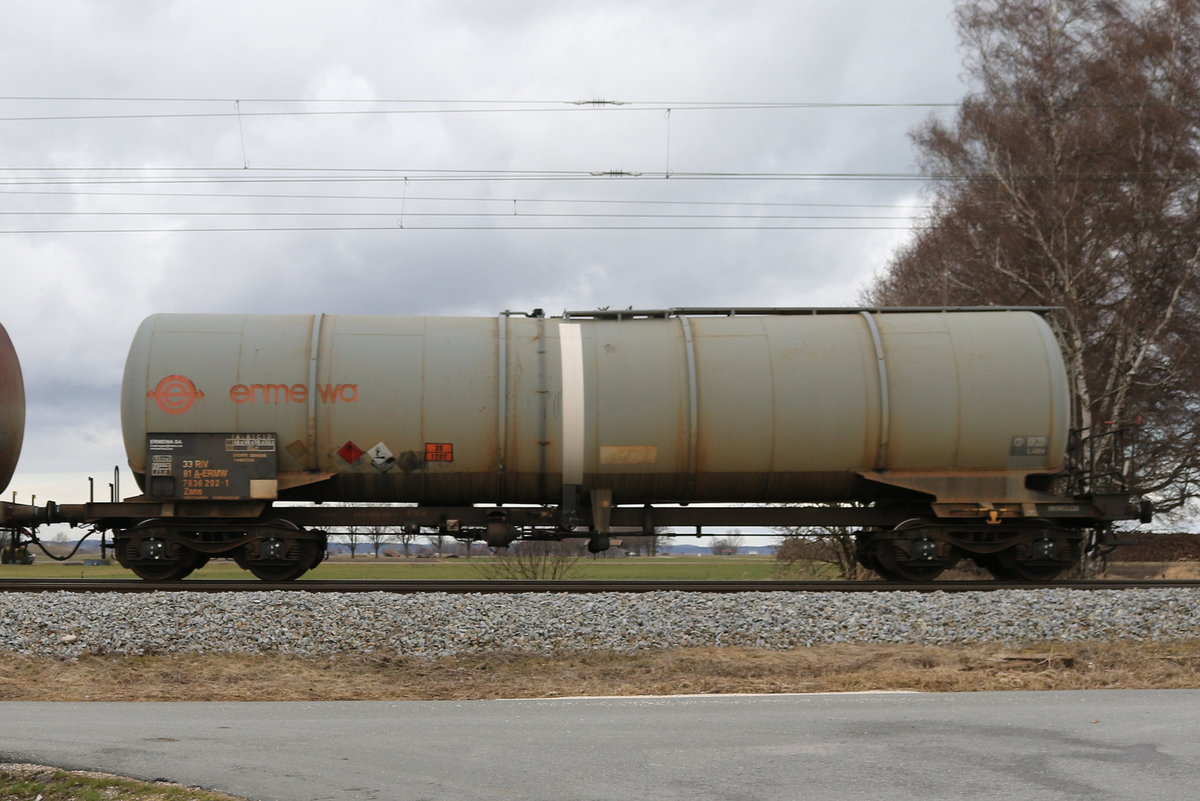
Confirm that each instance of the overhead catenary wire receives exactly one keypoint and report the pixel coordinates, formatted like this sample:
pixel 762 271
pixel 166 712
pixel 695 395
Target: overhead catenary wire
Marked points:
pixel 595 101
pixel 318 183
pixel 425 107
pixel 406 227
pixel 572 215
pixel 147 175
pixel 160 175
pixel 458 198
pixel 502 213
pixel 436 176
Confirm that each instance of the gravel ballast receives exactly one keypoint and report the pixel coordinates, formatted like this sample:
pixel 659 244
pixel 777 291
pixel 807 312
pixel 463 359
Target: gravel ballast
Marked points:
pixel 69 625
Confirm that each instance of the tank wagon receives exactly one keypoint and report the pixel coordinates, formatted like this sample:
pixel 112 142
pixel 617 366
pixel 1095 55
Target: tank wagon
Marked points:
pixel 937 434
pixel 12 409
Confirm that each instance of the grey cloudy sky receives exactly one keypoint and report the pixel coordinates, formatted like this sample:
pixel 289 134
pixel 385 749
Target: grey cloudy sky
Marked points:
pixel 415 157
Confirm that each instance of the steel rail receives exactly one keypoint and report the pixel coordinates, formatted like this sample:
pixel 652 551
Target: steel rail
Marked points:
pixel 570 586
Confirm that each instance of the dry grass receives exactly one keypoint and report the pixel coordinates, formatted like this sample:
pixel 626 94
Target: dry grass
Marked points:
pixel 30 782
pixel 689 671
pixel 1153 570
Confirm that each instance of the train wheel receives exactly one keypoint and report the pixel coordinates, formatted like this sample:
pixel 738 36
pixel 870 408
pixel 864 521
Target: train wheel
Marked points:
pixel 893 569
pixel 903 572
pixel 920 558
pixel 278 572
pixel 1010 567
pixel 306 552
pixel 172 569
pixel 991 563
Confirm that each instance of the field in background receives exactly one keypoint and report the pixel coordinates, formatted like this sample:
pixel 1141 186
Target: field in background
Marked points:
pixel 674 568
pixel 728 568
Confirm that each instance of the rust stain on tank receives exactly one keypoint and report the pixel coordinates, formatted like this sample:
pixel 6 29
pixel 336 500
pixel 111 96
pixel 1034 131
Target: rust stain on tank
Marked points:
pixel 628 454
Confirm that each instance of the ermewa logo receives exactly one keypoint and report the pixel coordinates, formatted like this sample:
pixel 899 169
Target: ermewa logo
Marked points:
pixel 175 394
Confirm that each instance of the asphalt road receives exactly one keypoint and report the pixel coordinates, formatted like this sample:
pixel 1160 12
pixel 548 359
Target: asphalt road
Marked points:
pixel 1142 745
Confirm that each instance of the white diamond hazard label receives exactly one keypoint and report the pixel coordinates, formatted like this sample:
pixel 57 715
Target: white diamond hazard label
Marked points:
pixel 381 457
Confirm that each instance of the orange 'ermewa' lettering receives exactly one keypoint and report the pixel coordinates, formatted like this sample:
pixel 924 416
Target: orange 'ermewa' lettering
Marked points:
pixel 268 393
pixel 332 393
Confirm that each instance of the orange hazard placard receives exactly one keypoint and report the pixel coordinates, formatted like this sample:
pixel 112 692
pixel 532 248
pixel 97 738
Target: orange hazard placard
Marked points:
pixel 439 451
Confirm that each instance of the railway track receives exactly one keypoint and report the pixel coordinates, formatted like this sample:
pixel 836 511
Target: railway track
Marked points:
pixel 579 586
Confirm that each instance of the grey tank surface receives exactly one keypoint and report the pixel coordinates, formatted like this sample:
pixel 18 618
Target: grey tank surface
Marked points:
pixel 828 405
pixel 12 409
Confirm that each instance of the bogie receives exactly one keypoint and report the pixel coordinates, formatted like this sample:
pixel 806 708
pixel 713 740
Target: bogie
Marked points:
pixel 158 550
pixel 921 550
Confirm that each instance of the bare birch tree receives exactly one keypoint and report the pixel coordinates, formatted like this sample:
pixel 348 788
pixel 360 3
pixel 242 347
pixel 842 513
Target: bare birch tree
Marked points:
pixel 1069 178
pixel 819 552
pixel 727 545
pixel 437 541
pixel 406 536
pixel 351 535
pixel 378 536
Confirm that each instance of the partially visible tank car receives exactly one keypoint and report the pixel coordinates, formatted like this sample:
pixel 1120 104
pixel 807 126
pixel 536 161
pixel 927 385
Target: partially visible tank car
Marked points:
pixel 938 434
pixel 12 409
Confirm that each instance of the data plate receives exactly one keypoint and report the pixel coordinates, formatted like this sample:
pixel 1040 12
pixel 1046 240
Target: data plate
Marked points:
pixel 209 467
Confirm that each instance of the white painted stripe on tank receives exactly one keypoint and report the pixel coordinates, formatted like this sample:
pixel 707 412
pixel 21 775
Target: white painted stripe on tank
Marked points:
pixel 570 339
pixel 885 404
pixel 501 401
pixel 314 355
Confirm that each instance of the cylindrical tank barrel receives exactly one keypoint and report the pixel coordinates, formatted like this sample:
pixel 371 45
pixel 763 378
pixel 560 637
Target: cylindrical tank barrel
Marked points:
pixel 12 409
pixel 673 407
